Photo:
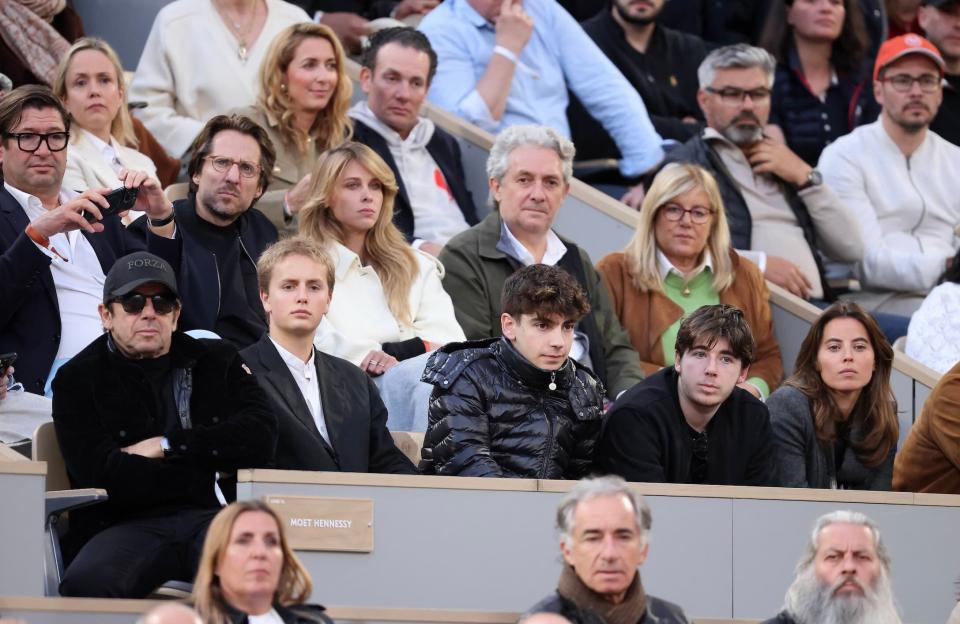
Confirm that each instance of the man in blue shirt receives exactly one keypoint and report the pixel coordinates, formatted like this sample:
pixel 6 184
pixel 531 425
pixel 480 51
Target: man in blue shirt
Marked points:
pixel 507 62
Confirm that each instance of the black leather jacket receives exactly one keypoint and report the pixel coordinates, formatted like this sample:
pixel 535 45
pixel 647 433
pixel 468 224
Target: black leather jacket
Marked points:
pixel 658 611
pixel 492 414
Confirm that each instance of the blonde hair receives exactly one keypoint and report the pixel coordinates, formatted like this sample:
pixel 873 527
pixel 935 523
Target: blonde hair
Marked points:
pixel 384 247
pixel 294 246
pixel 294 586
pixel 121 128
pixel 674 180
pixel 332 126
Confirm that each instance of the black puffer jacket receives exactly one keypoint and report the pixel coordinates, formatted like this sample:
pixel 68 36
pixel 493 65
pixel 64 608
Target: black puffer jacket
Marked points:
pixel 492 414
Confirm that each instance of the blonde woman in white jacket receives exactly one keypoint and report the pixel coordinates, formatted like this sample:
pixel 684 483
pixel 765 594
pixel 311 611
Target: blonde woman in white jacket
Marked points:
pixel 90 84
pixel 389 305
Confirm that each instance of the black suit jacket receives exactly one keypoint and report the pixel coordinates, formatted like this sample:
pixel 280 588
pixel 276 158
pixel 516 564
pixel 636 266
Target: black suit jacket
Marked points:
pixel 29 311
pixel 445 151
pixel 355 416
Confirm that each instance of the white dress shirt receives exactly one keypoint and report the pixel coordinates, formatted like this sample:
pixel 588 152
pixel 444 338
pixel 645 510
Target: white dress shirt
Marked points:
pixel 78 279
pixel 305 374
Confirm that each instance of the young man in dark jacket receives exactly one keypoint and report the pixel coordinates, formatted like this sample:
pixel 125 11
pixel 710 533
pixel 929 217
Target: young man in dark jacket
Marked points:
pixel 517 406
pixel 690 423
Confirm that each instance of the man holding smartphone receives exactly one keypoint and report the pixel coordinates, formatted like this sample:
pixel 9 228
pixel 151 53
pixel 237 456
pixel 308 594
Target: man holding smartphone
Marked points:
pixel 53 261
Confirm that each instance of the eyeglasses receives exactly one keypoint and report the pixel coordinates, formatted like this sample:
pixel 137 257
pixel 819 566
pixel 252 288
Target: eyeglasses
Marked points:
pixel 732 95
pixel 223 164
pixel 902 83
pixel 30 141
pixel 698 214
pixel 134 303
pixel 698 463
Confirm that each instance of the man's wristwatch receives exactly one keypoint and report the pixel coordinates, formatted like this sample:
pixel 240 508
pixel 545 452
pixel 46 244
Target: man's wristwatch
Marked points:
pixel 165 446
pixel 814 178
pixel 164 221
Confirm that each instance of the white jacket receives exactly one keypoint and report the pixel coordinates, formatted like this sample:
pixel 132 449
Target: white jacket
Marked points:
pixel 87 168
pixel 933 338
pixel 359 319
pixel 190 70
pixel 907 207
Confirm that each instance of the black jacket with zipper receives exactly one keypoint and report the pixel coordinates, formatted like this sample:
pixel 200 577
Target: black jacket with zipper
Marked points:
pixel 493 414
pixel 218 270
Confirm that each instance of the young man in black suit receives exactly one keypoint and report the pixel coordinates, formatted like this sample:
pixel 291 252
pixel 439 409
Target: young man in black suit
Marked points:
pixel 330 413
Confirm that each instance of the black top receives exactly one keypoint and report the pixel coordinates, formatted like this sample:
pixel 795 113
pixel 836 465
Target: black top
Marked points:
pixel 665 77
pixel 241 319
pixel 809 123
pixel 646 437
pixel 103 403
pixel 495 414
pixel 947 121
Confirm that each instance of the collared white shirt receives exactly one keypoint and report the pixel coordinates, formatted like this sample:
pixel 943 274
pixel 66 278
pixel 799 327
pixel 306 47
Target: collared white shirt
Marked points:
pixel 305 374
pixel 78 279
pixel 510 245
pixel 666 267
pixel 516 250
pixel 108 150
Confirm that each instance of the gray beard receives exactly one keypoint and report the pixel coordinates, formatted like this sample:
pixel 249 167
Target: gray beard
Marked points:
pixel 741 136
pixel 809 601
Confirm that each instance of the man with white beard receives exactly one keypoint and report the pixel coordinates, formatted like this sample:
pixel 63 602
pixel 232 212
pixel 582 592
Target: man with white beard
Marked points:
pixel 844 577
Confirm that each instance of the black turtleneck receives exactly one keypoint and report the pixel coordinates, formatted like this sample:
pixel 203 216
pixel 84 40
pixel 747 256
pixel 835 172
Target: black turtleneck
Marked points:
pixel 241 319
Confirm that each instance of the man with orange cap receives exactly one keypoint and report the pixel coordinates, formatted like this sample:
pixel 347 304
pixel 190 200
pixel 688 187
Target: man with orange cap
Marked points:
pixel 898 177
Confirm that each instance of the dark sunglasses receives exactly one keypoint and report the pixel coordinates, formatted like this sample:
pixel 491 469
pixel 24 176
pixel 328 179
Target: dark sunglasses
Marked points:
pixel 134 303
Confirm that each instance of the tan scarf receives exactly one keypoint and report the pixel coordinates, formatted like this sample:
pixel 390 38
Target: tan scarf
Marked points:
pixel 25 29
pixel 630 611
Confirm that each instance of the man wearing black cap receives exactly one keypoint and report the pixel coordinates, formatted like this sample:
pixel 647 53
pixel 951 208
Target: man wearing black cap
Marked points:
pixel 151 415
pixel 940 19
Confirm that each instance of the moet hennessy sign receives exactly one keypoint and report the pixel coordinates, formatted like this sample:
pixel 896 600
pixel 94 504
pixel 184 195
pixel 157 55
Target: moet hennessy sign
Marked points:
pixel 325 523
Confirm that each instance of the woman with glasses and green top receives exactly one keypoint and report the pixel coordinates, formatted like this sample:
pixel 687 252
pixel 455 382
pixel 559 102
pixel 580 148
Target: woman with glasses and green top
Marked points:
pixel 679 259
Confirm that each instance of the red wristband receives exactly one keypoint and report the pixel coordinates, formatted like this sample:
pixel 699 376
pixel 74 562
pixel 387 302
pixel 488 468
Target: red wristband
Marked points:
pixel 37 237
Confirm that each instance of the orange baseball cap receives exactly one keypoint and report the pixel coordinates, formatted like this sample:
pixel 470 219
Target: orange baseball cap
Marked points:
pixel 904 45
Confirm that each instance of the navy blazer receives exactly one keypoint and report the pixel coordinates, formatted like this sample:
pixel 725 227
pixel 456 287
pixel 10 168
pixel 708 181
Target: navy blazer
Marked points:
pixel 29 311
pixel 445 151
pixel 355 416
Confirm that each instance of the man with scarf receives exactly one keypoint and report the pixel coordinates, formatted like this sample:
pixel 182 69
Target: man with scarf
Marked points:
pixel 604 538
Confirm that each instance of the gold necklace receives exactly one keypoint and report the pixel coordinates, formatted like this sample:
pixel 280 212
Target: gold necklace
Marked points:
pixel 239 32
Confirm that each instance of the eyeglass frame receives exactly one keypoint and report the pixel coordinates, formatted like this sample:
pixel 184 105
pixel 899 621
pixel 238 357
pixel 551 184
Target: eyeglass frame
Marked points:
pixel 759 95
pixel 239 163
pixel 937 83
pixel 43 137
pixel 685 211
pixel 164 298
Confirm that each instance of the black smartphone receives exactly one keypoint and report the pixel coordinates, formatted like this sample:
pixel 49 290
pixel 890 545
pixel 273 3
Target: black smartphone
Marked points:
pixel 6 361
pixel 119 199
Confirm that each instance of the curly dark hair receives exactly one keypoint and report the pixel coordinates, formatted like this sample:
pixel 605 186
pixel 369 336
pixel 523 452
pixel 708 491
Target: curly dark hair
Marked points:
pixel 545 291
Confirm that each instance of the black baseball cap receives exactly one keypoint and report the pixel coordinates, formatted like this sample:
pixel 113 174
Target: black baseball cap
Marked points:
pixel 138 269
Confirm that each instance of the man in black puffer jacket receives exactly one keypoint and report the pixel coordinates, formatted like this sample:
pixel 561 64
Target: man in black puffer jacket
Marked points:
pixel 517 406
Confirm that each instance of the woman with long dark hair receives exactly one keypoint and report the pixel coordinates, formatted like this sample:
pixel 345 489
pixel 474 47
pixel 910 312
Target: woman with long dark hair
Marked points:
pixel 822 88
pixel 834 420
